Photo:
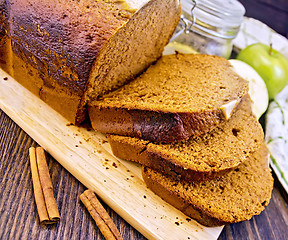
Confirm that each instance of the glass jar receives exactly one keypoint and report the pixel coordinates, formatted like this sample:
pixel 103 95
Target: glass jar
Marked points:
pixel 209 26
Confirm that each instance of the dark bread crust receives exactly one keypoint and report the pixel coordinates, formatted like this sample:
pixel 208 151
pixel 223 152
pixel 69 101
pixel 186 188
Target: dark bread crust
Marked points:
pixel 3 17
pixel 5 47
pixel 152 125
pixel 234 197
pixel 58 97
pixel 4 39
pixel 63 44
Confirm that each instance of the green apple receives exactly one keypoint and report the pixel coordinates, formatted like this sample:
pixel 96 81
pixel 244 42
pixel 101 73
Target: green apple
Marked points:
pixel 257 87
pixel 270 64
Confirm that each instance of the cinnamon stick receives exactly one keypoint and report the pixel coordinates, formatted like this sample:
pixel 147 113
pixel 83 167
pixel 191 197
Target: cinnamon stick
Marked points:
pixel 101 217
pixel 43 190
pixel 38 193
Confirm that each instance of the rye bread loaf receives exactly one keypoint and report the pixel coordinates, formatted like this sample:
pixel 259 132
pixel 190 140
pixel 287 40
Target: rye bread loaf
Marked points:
pixel 67 51
pixel 179 96
pixel 234 197
pixel 202 157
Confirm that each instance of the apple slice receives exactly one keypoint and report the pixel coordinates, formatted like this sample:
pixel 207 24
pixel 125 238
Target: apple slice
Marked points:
pixel 179 47
pixel 257 87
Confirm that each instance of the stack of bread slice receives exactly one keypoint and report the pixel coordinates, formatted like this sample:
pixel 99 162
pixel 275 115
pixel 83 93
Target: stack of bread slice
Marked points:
pixel 188 120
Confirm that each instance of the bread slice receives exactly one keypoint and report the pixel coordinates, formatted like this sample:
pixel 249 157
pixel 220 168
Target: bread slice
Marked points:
pixel 206 156
pixel 234 197
pixel 179 96
pixel 67 51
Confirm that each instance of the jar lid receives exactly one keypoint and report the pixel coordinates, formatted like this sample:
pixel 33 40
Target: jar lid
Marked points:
pixel 225 16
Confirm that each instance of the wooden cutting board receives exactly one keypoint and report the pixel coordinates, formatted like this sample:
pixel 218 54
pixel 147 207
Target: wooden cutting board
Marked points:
pixel 88 157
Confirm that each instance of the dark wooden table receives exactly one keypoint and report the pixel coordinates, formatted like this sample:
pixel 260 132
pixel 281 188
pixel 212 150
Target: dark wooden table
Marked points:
pixel 18 214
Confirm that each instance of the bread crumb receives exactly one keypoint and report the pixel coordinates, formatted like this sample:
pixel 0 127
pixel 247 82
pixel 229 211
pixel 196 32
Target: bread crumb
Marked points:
pixel 5 78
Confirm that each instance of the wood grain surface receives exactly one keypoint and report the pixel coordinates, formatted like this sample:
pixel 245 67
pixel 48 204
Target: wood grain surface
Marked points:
pixel 18 214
